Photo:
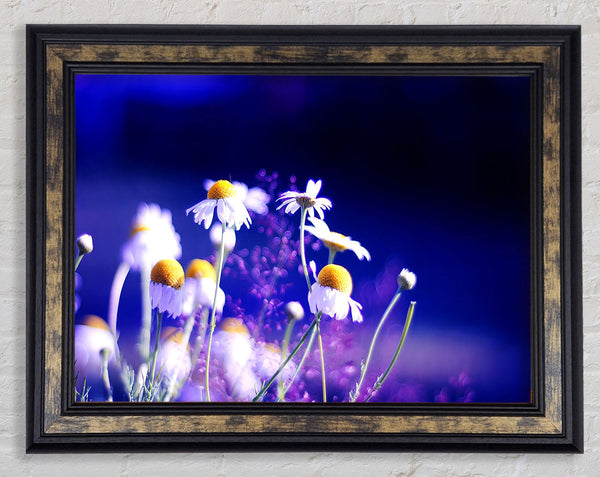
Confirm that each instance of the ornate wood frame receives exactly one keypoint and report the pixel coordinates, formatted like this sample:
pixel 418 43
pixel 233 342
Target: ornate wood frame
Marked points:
pixel 550 56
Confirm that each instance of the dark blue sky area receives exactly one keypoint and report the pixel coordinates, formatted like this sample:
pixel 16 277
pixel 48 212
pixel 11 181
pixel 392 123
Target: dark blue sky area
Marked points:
pixel 431 171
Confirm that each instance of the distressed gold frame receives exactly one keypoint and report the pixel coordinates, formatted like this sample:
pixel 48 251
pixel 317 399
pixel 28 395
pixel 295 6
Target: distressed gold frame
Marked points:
pixel 551 422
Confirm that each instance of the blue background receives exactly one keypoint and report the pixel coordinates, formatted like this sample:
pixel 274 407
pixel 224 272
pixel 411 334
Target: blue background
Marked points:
pixel 429 172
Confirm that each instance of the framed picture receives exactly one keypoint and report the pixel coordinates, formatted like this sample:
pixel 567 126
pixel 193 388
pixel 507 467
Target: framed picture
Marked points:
pixel 270 238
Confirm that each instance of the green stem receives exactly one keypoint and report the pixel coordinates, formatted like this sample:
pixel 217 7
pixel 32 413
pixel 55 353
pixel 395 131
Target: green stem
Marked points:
pixel 266 386
pixel 382 378
pixel 304 356
pixel 156 345
pixel 213 311
pixel 332 253
pixel 78 260
pixel 284 352
pixel 302 254
pixel 363 372
pixel 322 363
pixel 104 352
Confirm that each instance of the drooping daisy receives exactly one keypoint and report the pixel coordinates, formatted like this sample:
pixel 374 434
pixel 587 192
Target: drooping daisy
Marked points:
pixel 233 348
pixel 255 199
pixel 152 238
pixel 267 361
pixel 335 241
pixel 173 359
pixel 292 201
pixel 330 294
pixel 91 337
pixel 231 211
pixel 166 280
pixel 199 287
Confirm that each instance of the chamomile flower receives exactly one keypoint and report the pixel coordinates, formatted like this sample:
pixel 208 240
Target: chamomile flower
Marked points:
pixel 335 241
pixel 199 287
pixel 231 211
pixel 267 361
pixel 255 199
pixel 166 280
pixel 233 348
pixel 152 238
pixel 292 201
pixel 91 337
pixel 173 357
pixel 330 294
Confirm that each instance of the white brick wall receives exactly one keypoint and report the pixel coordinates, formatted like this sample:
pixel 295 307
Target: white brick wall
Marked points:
pixel 14 14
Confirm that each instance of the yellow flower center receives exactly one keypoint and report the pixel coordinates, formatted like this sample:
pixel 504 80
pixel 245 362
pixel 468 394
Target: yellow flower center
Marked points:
pixel 172 333
pixel 234 325
pixel 168 272
pixel 139 228
pixel 221 190
pixel 273 348
pixel 335 242
pixel 94 321
pixel 201 269
pixel 336 276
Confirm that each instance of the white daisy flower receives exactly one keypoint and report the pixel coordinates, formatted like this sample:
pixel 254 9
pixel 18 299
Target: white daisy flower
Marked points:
pixel 267 361
pixel 199 287
pixel 255 199
pixel 215 237
pixel 330 294
pixel 231 211
pixel 233 347
pixel 335 241
pixel 292 201
pixel 166 280
pixel 152 238
pixel 173 358
pixel 92 336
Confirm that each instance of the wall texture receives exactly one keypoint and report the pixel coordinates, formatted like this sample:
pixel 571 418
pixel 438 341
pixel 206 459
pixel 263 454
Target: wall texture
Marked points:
pixel 14 14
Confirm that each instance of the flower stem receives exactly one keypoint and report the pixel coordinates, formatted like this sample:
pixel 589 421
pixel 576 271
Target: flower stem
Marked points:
pixel 332 253
pixel 146 313
pixel 156 345
pixel 323 380
pixel 363 372
pixel 266 386
pixel 382 378
pixel 302 254
pixel 284 352
pixel 212 315
pixel 78 260
pixel 115 295
pixel 104 353
pixel 304 356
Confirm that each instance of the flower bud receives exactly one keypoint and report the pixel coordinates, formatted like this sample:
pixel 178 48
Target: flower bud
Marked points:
pixel 215 237
pixel 294 310
pixel 406 279
pixel 85 244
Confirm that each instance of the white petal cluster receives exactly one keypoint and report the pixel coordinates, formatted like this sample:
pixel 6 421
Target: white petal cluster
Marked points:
pixel 255 199
pixel 201 292
pixel 292 201
pixel 153 238
pixel 166 298
pixel 333 303
pixel 336 240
